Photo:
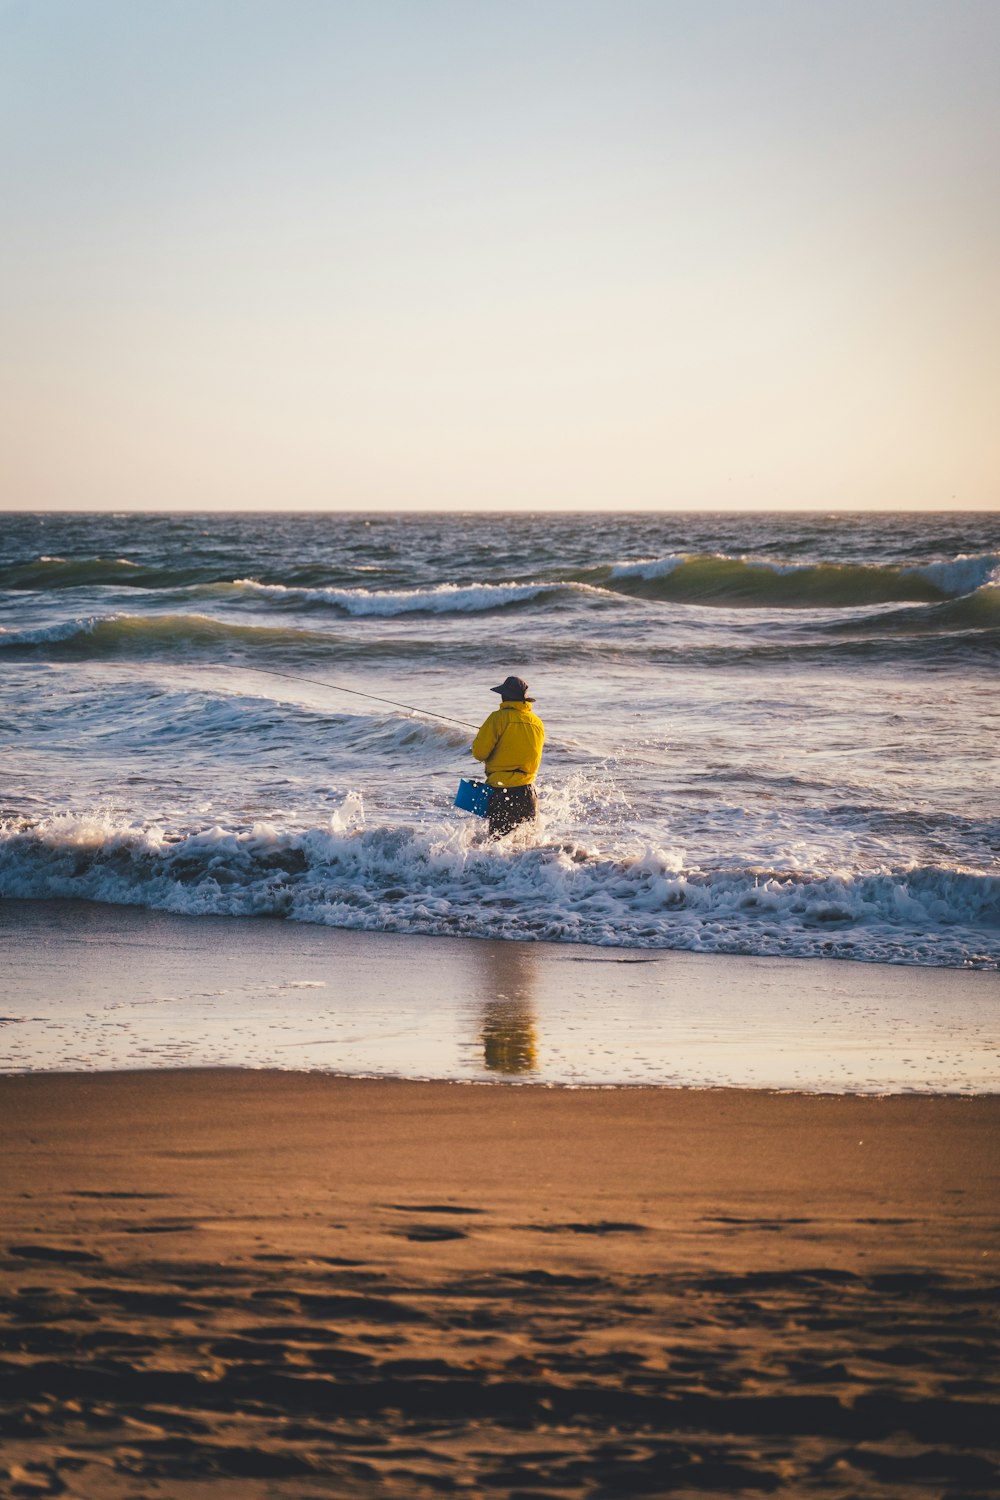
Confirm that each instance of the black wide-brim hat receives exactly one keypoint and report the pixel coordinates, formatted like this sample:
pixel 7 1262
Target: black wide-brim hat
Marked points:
pixel 515 689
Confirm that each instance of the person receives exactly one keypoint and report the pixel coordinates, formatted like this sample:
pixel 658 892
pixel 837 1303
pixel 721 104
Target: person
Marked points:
pixel 510 745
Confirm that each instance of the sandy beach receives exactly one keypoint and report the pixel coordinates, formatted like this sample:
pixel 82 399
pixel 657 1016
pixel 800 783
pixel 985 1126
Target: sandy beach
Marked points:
pixel 261 1284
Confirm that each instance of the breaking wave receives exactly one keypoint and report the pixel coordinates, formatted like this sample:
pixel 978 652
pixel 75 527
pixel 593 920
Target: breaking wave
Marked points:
pixel 123 634
pixel 445 598
pixel 721 580
pixel 979 611
pixel 443 882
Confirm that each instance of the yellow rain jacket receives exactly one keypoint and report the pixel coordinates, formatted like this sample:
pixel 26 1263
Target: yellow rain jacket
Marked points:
pixel 510 742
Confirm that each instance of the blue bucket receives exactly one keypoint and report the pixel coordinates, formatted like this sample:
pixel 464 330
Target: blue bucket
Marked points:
pixel 473 797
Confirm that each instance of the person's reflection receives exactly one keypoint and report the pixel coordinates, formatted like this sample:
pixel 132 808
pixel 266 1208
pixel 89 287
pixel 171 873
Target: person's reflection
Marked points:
pixel 510 1044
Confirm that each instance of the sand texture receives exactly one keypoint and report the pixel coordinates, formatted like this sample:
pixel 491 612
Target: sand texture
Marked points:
pixel 239 1284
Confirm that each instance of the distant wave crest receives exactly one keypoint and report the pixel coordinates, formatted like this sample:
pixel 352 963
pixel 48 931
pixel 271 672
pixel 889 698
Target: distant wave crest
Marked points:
pixel 717 579
pixel 444 598
pixel 722 580
pixel 46 573
pixel 124 634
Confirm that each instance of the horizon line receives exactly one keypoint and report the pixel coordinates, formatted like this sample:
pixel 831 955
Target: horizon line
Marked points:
pixel 537 510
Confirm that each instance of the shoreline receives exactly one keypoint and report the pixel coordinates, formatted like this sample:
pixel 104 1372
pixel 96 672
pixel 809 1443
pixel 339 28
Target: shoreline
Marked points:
pixel 95 988
pixel 520 1085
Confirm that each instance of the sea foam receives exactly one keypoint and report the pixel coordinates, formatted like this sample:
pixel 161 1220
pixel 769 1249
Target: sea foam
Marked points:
pixel 442 880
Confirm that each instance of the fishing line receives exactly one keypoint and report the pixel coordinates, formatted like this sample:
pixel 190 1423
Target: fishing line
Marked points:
pixel 427 713
pixel 357 693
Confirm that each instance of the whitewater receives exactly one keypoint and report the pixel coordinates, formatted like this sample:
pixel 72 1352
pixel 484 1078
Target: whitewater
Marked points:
pixel 768 735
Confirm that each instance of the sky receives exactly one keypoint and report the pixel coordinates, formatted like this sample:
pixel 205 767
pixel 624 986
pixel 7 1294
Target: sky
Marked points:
pixel 508 254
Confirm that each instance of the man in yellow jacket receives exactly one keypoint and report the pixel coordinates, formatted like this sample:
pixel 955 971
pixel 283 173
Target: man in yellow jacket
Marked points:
pixel 510 743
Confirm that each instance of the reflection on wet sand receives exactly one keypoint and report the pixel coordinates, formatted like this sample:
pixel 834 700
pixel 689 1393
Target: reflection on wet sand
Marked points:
pixel 507 1020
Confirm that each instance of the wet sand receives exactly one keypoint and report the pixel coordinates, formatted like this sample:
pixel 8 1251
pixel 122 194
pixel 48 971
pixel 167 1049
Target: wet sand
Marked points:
pixel 257 1284
pixel 95 987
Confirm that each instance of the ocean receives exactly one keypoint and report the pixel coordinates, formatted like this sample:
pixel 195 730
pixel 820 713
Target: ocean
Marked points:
pixel 768 735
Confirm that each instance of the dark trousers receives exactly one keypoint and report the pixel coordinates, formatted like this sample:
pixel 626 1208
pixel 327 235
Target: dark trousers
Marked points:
pixel 510 805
